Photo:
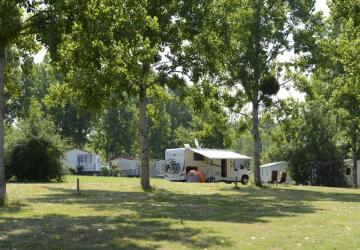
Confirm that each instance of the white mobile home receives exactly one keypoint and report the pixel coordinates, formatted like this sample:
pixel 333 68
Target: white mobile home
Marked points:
pixel 265 171
pixel 216 164
pixel 82 161
pixel 348 171
pixel 128 166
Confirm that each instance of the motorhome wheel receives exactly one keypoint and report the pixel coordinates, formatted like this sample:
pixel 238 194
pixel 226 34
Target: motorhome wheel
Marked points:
pixel 244 180
pixel 211 180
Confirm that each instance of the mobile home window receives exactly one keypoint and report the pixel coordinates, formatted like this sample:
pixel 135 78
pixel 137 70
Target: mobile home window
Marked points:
pixel 348 171
pixel 198 157
pixel 82 158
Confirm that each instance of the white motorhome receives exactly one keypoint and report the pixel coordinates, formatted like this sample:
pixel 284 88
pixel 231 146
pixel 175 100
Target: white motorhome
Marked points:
pixel 216 164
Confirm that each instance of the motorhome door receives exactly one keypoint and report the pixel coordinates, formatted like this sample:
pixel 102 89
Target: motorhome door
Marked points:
pixel 223 168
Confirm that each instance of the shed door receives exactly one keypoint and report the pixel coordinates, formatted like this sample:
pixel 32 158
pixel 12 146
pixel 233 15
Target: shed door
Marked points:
pixel 223 168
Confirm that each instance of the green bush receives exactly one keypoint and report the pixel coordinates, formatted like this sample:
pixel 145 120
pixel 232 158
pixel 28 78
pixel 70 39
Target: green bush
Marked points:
pixel 79 169
pixel 115 170
pixel 33 149
pixel 72 171
pixel 34 159
pixel 104 171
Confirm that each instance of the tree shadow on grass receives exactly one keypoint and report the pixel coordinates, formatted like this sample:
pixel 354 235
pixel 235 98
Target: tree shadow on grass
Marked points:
pixel 250 205
pixel 284 194
pixel 12 207
pixel 154 216
pixel 55 231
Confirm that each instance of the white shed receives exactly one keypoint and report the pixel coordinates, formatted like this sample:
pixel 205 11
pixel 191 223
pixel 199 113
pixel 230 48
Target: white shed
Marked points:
pixel 128 166
pixel 77 159
pixel 348 171
pixel 265 171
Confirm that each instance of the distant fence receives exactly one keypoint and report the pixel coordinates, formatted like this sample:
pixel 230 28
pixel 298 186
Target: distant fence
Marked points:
pixel 156 168
pixel 132 168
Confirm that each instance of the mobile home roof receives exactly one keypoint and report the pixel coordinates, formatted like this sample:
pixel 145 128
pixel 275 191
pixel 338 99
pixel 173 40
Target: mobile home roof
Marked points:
pixel 219 154
pixel 273 164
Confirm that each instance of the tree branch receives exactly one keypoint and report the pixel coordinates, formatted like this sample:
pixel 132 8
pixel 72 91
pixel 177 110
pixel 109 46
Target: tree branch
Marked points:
pixel 246 115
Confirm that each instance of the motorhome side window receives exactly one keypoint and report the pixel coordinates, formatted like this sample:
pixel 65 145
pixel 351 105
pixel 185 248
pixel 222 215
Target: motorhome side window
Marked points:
pixel 247 165
pixel 198 157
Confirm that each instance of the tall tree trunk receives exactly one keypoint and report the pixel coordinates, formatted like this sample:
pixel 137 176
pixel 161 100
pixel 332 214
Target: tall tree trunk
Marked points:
pixel 144 171
pixel 255 95
pixel 257 143
pixel 2 165
pixel 354 156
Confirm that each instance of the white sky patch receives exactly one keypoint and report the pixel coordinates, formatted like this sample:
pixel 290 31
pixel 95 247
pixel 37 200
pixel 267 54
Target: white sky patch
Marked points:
pixel 39 57
pixel 321 5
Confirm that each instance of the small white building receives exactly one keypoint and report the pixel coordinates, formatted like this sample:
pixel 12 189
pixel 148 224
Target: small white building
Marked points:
pixel 128 166
pixel 266 169
pixel 348 171
pixel 78 159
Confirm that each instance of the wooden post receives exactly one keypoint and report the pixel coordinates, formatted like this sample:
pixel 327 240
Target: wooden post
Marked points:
pixel 78 186
pixel 236 182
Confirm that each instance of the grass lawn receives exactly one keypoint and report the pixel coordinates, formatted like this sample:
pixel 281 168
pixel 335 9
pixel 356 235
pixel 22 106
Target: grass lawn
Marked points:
pixel 114 213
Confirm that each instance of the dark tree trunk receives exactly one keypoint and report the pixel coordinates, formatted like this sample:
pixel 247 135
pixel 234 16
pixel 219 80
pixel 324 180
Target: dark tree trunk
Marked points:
pixel 354 157
pixel 257 144
pixel 144 170
pixel 255 94
pixel 2 165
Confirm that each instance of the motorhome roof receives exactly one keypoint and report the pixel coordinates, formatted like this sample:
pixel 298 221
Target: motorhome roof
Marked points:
pixel 218 153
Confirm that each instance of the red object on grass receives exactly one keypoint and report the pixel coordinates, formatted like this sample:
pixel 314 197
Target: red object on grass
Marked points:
pixel 195 176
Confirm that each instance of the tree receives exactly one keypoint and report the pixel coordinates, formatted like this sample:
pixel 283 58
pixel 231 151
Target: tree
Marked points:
pixel 314 156
pixel 41 82
pixel 113 48
pixel 237 44
pixel 346 99
pixel 346 53
pixel 159 121
pixel 17 69
pixel 114 131
pixel 16 29
pixel 307 135
pixel 334 63
pixel 286 132
pixel 209 122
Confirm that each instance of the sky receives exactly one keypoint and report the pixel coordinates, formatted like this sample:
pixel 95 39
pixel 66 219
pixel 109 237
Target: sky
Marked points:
pixel 320 5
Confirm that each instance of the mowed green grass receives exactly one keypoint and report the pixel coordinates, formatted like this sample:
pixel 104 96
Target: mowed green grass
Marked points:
pixel 114 213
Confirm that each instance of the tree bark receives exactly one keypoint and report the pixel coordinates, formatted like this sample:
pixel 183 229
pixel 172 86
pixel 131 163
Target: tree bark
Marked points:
pixel 354 157
pixel 257 143
pixel 144 170
pixel 2 165
pixel 255 92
